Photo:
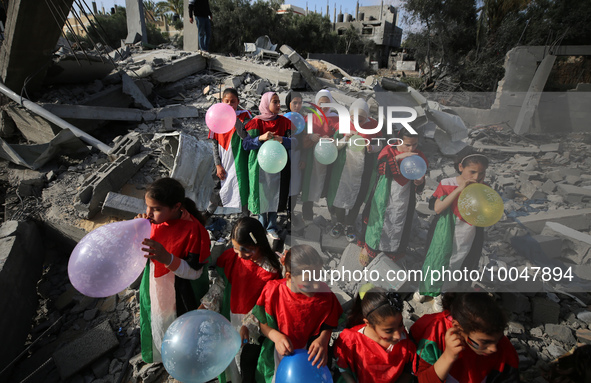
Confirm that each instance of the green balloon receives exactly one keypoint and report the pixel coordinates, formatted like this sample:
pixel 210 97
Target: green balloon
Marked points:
pixel 272 156
pixel 326 152
pixel 358 143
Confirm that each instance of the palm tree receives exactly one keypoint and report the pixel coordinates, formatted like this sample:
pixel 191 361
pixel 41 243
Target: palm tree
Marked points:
pixel 151 11
pixel 174 6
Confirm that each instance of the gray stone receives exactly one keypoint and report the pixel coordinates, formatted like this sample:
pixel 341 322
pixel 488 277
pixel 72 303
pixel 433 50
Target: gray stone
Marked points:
pixel 531 191
pixel 350 258
pixel 84 350
pixel 584 336
pixel 561 333
pixel 555 175
pixel 516 303
pixel 100 368
pixel 548 187
pixel 130 88
pixel 123 206
pixel 585 316
pixel 574 194
pixel 179 69
pixel 334 245
pixel 544 311
pixel 90 314
pixel 554 147
pixel 515 328
pixel 555 350
pixel 385 267
pixel 108 304
pixel 537 332
pixel 577 219
pixel 313 233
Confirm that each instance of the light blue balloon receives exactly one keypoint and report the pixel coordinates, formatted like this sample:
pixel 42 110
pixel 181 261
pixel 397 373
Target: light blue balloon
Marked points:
pixel 413 167
pixel 198 346
pixel 272 156
pixel 326 152
pixel 297 120
pixel 296 368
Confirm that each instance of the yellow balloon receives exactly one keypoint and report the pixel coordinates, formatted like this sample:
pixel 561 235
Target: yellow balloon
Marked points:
pixel 480 205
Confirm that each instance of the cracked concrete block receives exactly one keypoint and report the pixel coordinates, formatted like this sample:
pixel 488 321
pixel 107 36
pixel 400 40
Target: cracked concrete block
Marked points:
pixel 283 61
pixel 179 69
pixel 129 145
pixel 531 190
pixel 350 258
pixel 21 265
pixel 334 245
pixel 576 246
pixel 548 187
pixel 83 351
pixel 577 219
pixel 34 128
pixel 109 177
pixel 123 206
pixel 574 194
pixel 383 265
pixel 130 88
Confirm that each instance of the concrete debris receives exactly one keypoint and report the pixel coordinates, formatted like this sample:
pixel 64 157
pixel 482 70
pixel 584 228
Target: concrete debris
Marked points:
pixel 544 181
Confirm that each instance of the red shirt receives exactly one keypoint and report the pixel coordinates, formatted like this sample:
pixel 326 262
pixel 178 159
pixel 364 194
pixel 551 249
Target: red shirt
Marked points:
pixel 247 280
pixel 368 360
pixel 299 317
pixel 181 237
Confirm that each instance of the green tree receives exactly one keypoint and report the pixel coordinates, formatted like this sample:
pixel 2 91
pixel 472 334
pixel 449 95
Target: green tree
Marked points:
pixel 176 7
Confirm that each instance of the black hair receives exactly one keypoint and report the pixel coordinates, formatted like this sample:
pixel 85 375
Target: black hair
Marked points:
pixel 231 91
pixel 469 157
pixel 290 96
pixel 300 257
pixel 376 305
pixel 249 231
pixel 169 192
pixel 475 312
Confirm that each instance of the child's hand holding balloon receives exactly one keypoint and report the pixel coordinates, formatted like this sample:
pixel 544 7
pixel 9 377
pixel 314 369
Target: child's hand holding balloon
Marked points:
pixel 156 251
pixel 318 353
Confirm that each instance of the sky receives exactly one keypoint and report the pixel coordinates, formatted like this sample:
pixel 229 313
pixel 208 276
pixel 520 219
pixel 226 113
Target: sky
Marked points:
pixel 348 6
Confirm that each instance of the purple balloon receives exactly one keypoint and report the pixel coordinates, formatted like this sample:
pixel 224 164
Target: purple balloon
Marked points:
pixel 109 259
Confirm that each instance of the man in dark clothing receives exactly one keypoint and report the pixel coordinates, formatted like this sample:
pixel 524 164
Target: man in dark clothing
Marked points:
pixel 203 16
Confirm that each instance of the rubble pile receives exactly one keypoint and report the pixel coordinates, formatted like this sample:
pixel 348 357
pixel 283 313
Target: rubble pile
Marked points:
pixel 157 101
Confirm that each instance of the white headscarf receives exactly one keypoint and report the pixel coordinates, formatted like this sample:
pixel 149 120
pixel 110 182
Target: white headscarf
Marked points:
pixel 325 93
pixel 359 104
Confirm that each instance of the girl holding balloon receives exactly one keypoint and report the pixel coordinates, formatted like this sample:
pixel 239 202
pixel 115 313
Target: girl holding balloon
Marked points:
pixel 453 242
pixel 295 312
pixel 374 346
pixel 264 185
pixel 390 208
pixel 325 124
pixel 178 249
pixel 243 272
pixel 231 161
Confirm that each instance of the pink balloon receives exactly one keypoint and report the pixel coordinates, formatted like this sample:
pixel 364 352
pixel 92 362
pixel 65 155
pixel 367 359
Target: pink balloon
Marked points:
pixel 220 118
pixel 109 259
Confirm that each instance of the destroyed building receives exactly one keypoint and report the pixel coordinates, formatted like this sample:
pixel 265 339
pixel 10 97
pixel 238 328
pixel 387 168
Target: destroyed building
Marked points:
pixel 81 154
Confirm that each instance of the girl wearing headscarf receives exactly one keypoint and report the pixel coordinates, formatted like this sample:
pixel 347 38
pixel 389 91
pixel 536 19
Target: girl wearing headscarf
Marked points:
pixel 314 175
pixel 291 174
pixel 264 187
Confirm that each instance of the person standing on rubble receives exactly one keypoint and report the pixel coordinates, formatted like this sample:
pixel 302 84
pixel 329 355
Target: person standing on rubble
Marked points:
pixel 231 162
pixel 173 282
pixel 263 197
pixel 204 19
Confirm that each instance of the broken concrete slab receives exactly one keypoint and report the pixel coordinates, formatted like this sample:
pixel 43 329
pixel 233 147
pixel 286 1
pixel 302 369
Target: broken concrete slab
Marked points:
pixel 128 145
pixel 180 68
pixel 334 245
pixel 507 149
pixel 83 351
pixel 122 206
pixel 450 123
pixel 35 156
pixel 446 145
pixel 33 127
pixel 130 88
pixel 109 177
pixel 21 265
pixel 577 219
pixel 83 112
pixel 385 268
pixel 237 67
pixel 300 64
pixel 574 194
pixel 7 125
pixel 193 165
pixel 177 111
pixel 350 258
pixel 531 191
pixel 576 246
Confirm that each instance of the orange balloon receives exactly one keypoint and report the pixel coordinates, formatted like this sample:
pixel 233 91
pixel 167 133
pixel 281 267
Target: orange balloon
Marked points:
pixel 480 205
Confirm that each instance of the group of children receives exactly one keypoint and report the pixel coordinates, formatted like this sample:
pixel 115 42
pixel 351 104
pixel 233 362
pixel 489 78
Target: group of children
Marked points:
pixel 268 300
